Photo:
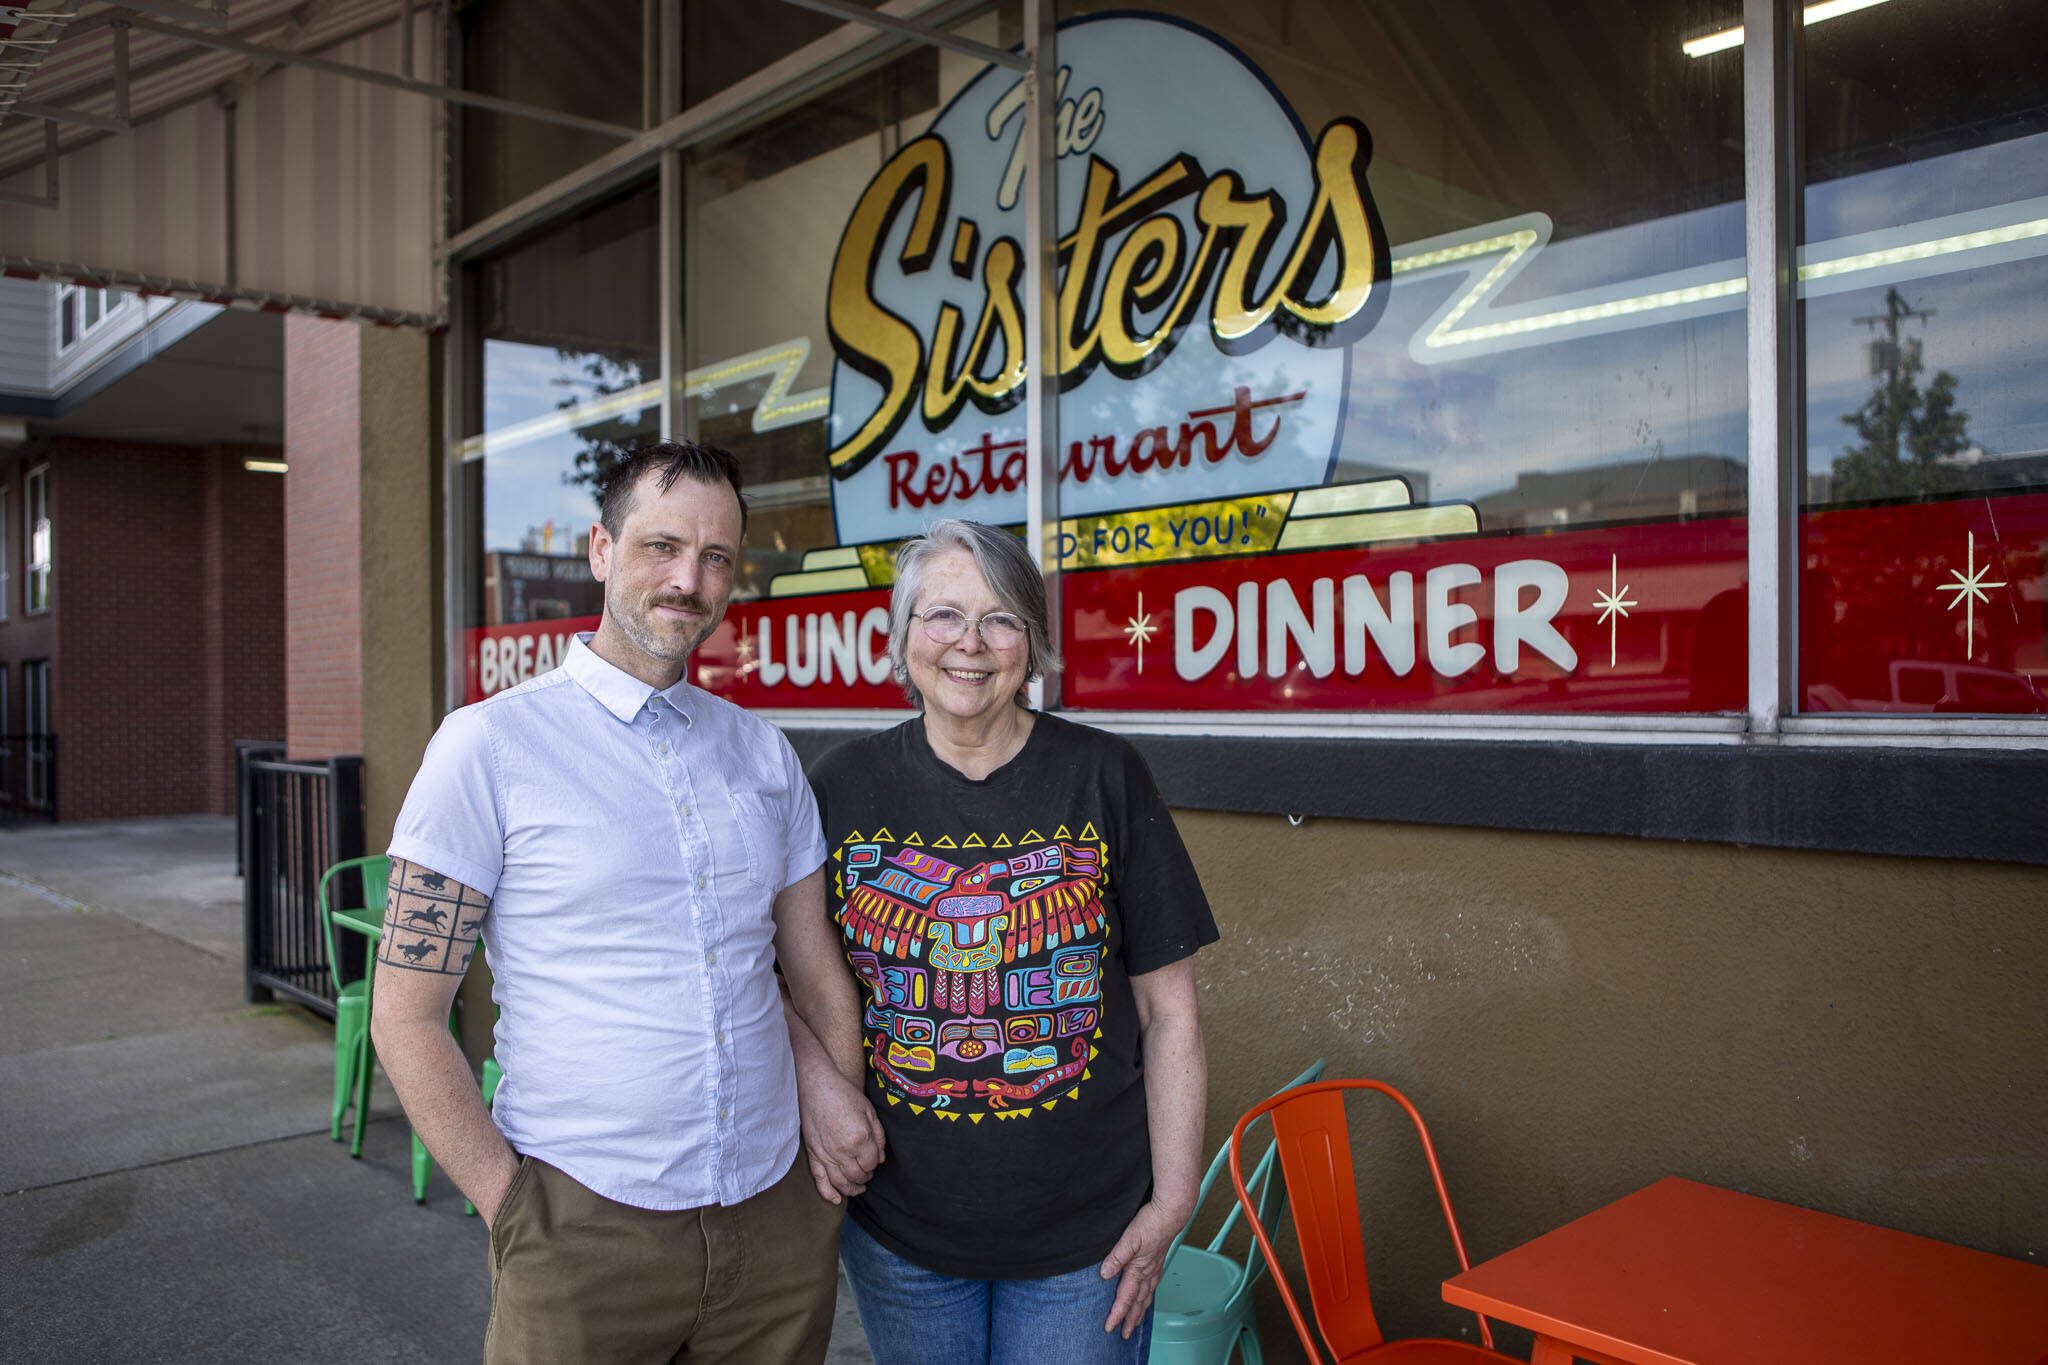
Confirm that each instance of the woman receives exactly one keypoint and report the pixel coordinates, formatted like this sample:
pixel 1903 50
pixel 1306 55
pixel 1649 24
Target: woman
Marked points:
pixel 1012 893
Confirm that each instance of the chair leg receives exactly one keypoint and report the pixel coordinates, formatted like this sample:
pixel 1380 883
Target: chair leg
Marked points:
pixel 1248 1346
pixel 365 1060
pixel 344 1084
pixel 348 1030
pixel 422 1169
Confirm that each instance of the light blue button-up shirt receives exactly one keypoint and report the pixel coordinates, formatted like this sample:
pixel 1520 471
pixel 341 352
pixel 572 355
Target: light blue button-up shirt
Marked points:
pixel 632 843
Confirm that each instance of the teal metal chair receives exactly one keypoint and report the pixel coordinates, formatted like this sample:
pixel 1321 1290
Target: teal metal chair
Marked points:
pixel 351 998
pixel 1203 1310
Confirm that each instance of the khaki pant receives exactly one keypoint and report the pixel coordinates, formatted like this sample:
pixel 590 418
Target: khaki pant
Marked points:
pixel 578 1277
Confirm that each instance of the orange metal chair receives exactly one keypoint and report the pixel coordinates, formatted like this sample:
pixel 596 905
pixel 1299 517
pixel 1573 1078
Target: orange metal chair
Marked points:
pixel 1315 1157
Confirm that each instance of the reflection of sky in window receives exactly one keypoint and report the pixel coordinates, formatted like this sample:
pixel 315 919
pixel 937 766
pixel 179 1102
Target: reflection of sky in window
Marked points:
pixel 523 484
pixel 1987 327
pixel 523 382
pixel 1574 401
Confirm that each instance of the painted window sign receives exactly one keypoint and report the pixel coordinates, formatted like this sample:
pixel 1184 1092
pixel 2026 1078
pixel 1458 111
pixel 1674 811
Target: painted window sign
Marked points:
pixel 1283 440
pixel 1206 298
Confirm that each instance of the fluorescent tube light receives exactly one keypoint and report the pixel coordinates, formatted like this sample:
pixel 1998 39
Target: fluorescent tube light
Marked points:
pixel 1732 37
pixel 265 466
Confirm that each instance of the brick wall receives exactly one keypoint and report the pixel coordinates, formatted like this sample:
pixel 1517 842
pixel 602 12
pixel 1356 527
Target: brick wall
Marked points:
pixel 242 585
pixel 165 631
pixel 322 521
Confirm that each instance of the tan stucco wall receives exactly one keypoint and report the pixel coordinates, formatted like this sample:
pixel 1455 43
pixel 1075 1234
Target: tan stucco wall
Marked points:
pixel 402 634
pixel 1577 1017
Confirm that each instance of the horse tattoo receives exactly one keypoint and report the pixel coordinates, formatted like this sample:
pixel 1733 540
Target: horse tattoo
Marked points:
pixel 432 917
pixel 415 951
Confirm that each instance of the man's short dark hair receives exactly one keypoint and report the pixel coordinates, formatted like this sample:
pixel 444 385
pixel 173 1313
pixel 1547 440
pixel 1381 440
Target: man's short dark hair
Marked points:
pixel 665 462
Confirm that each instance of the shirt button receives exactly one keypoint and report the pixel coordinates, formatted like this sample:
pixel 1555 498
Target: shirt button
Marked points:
pixel 689 810
pixel 721 1037
pixel 661 748
pixel 724 1111
pixel 702 881
pixel 711 959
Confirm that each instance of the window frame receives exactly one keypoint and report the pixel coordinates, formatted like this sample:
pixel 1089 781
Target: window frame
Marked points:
pixel 1772 196
pixel 38 576
pixel 36 729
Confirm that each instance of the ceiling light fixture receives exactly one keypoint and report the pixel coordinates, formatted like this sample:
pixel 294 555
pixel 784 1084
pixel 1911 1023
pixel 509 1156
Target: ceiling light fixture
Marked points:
pixel 265 466
pixel 1732 37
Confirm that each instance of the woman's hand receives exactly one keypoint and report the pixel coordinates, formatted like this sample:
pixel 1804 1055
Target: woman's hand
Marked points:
pixel 842 1135
pixel 1140 1257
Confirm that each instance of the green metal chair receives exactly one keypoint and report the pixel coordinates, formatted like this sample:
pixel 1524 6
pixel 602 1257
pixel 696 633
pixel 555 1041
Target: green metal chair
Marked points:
pixel 351 998
pixel 1203 1310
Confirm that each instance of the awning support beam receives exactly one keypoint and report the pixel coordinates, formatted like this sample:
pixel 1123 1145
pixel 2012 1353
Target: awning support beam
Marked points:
pixel 285 57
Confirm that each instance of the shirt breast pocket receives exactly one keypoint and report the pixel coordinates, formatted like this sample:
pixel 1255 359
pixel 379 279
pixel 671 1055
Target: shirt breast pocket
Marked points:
pixel 758 821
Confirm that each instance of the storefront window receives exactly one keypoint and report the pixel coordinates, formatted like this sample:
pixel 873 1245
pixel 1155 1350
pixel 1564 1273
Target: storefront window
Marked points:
pixel 1402 355
pixel 569 367
pixel 578 59
pixel 768 238
pixel 1926 426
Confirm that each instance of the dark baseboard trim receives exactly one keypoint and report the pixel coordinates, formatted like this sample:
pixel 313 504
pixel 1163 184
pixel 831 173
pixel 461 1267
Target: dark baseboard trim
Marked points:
pixel 1980 804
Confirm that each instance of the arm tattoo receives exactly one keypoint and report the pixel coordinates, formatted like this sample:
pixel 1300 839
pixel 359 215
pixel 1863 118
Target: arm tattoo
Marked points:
pixel 430 921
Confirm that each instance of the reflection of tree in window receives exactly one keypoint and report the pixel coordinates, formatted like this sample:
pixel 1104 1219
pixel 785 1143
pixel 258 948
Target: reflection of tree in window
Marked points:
pixel 1910 436
pixel 605 442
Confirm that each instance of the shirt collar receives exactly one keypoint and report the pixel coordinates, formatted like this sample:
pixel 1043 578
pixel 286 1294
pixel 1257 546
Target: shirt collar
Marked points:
pixel 618 691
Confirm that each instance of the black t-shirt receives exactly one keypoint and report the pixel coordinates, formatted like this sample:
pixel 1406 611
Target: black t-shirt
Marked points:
pixel 995 926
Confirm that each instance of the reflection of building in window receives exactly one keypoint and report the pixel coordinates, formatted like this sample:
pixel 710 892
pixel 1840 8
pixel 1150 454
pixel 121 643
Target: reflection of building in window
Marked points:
pixel 528 587
pixel 40 535
pixel 1679 488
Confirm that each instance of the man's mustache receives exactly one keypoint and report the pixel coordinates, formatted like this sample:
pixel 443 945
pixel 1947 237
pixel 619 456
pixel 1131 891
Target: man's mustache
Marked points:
pixel 687 603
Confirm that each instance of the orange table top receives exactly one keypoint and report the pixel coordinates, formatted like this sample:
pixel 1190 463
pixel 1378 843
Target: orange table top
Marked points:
pixel 1687 1274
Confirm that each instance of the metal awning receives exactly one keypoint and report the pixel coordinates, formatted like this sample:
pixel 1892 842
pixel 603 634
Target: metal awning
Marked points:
pixel 264 153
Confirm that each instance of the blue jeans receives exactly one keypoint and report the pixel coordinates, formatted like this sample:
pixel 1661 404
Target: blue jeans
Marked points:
pixel 915 1316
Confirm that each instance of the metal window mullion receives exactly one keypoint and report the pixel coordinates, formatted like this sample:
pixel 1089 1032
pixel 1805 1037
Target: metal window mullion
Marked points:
pixel 1770 151
pixel 669 223
pixel 1041 324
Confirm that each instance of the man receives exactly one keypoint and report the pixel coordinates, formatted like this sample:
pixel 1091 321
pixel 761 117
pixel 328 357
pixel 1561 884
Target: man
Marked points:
pixel 639 855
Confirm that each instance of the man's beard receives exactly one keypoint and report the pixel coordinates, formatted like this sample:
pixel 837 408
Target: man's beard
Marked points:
pixel 639 626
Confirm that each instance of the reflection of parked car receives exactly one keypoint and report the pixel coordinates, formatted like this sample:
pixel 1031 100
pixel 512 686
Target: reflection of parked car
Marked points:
pixel 1962 687
pixel 1927 685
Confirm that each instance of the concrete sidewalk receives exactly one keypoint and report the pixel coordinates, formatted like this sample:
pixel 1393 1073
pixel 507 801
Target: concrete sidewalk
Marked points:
pixel 167 1187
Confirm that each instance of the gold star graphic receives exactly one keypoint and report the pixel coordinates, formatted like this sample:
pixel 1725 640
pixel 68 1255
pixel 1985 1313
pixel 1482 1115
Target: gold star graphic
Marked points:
pixel 1613 602
pixel 746 652
pixel 1969 591
pixel 1139 629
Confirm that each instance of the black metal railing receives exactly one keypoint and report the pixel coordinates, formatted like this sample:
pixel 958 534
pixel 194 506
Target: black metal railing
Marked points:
pixel 298 820
pixel 245 750
pixel 28 776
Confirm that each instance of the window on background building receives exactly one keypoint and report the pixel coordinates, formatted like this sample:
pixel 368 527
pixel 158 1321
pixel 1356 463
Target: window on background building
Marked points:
pixel 1925 532
pixel 567 359
pixel 6 737
pixel 1402 355
pixel 39 746
pixel 80 310
pixel 40 539
pixel 6 563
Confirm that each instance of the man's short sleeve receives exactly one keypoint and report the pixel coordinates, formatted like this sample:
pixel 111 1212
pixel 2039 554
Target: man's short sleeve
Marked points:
pixel 803 835
pixel 451 821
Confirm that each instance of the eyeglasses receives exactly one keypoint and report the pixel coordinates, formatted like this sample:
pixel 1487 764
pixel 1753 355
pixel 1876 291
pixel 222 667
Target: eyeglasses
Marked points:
pixel 998 629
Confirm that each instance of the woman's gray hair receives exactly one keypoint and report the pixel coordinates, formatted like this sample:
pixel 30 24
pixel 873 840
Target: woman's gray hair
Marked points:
pixel 1005 566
